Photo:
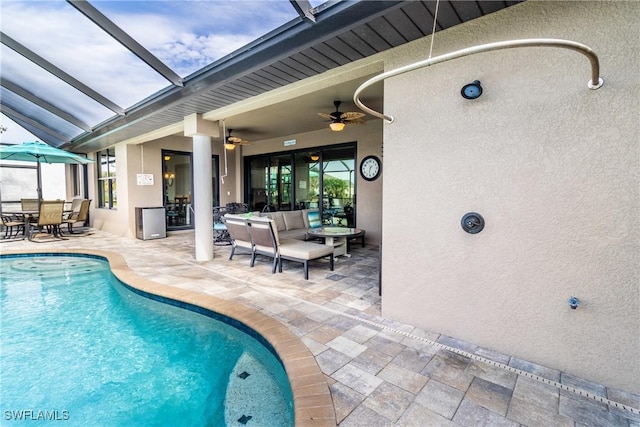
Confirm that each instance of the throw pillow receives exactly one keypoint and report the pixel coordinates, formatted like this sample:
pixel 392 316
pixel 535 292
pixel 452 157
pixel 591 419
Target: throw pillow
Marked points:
pixel 314 219
pixel 293 220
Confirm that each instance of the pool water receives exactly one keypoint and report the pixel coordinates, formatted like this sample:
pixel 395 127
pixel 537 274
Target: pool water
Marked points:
pixel 79 348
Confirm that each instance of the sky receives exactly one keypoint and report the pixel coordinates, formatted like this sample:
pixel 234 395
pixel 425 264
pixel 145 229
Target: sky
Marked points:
pixel 186 35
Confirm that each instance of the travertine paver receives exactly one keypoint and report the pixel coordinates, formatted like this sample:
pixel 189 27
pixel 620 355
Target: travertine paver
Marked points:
pixel 440 398
pixel 380 372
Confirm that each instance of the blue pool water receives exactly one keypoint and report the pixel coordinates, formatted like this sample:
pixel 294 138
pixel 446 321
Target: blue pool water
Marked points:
pixel 79 348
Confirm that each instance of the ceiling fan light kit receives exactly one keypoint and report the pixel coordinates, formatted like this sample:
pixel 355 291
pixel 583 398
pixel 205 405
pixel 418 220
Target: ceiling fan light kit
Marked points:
pixel 337 126
pixel 230 142
pixel 339 119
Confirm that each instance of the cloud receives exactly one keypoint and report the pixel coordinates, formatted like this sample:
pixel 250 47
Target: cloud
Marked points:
pixel 185 35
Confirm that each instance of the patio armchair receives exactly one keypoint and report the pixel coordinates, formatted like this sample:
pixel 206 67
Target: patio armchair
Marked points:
pixel 76 203
pixel 238 233
pixel 79 217
pixel 264 236
pixel 220 232
pixel 49 219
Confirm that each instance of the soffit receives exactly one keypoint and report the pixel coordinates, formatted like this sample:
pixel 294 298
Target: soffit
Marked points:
pixel 343 32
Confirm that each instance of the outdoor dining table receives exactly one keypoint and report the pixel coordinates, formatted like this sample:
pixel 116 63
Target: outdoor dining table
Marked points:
pixel 31 217
pixel 336 237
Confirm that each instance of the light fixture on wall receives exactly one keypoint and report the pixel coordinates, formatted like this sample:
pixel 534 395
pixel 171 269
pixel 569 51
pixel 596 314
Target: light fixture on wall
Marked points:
pixel 169 177
pixel 167 158
pixel 472 90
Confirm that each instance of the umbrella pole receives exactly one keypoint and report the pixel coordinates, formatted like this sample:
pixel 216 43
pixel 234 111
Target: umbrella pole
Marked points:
pixel 39 178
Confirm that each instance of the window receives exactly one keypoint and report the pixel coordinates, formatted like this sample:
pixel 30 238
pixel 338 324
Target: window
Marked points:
pixel 107 188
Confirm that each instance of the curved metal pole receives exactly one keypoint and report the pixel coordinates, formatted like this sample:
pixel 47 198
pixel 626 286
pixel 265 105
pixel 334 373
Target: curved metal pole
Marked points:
pixel 566 44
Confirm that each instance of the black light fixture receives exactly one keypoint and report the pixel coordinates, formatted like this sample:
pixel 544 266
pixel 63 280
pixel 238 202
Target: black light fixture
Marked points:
pixel 472 90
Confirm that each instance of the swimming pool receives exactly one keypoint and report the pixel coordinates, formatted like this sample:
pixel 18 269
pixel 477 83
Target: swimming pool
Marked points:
pixel 79 346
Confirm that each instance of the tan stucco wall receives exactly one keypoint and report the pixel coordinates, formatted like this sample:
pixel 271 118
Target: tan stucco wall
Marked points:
pixel 553 168
pixel 133 159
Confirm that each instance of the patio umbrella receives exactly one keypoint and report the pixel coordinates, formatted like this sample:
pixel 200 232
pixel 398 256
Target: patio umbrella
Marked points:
pixel 39 152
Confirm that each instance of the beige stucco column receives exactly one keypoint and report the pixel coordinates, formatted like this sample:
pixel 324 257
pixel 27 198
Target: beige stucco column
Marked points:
pixel 201 131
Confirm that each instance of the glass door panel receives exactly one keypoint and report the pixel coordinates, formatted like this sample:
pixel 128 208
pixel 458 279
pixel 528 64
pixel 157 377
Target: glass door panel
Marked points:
pixel 177 173
pixel 307 180
pixel 280 176
pixel 338 186
pixel 215 181
pixel 259 182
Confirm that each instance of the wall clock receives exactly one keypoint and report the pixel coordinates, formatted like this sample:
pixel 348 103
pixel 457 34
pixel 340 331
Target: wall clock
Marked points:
pixel 370 168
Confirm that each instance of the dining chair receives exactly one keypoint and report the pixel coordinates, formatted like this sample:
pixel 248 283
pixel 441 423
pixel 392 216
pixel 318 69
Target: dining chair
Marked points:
pixel 79 217
pixel 11 222
pixel 49 219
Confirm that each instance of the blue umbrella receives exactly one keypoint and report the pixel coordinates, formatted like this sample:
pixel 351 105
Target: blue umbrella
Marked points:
pixel 40 152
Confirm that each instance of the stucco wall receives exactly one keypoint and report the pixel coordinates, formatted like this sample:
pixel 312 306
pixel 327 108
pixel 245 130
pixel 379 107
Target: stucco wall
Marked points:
pixel 553 168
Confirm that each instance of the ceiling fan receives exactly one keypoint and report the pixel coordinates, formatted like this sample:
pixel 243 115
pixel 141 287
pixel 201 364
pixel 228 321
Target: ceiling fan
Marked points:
pixel 340 119
pixel 230 142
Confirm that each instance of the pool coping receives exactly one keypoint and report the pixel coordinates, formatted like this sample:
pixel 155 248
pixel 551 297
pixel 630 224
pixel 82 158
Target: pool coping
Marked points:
pixel 312 402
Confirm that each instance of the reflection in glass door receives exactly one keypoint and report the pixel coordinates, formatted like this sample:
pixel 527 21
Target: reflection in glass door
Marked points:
pixel 307 179
pixel 338 186
pixel 178 179
pixel 176 169
pixel 280 184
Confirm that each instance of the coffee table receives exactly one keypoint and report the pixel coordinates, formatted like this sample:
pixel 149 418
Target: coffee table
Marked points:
pixel 336 237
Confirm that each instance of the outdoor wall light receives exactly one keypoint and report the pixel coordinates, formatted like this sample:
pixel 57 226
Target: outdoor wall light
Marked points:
pixel 573 302
pixel 472 90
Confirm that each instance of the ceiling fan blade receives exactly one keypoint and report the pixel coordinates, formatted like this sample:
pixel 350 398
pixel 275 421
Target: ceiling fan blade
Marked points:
pixel 327 116
pixel 355 122
pixel 234 139
pixel 351 115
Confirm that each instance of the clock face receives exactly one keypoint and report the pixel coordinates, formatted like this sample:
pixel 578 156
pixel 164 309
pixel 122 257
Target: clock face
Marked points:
pixel 370 168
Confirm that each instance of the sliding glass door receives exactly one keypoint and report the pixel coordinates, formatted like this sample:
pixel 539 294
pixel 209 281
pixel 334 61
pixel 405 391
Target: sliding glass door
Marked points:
pixel 322 178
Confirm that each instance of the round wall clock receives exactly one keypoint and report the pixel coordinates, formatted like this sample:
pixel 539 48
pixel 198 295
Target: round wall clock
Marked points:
pixel 370 168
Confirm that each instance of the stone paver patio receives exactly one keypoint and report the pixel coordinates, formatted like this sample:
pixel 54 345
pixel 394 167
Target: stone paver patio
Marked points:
pixel 380 372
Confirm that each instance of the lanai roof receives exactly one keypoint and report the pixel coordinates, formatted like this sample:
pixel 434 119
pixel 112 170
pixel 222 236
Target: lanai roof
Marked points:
pixel 69 109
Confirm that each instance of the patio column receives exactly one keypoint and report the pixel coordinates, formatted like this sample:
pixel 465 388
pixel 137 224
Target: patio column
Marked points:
pixel 202 202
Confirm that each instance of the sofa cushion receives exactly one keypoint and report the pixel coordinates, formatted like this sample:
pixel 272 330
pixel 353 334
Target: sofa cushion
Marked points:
pixel 298 234
pixel 278 218
pixel 293 220
pixel 314 219
pixel 303 250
